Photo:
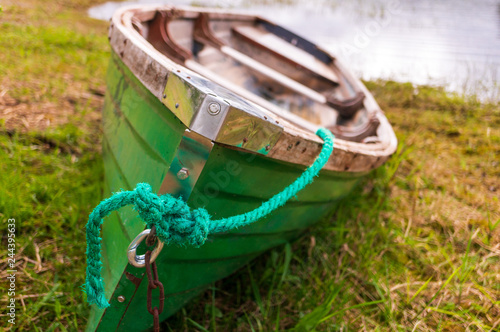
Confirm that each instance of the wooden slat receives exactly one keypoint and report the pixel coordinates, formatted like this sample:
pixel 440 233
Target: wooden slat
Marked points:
pixel 277 45
pixel 267 107
pixel 273 74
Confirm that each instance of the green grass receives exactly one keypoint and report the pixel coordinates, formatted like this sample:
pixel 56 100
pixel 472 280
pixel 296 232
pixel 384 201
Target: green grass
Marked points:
pixel 415 248
pixel 48 190
pixel 51 176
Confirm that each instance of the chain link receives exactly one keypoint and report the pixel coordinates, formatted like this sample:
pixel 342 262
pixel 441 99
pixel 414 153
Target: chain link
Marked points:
pixel 153 282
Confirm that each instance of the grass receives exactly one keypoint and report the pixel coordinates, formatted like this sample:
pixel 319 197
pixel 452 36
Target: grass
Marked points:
pixel 415 248
pixel 51 84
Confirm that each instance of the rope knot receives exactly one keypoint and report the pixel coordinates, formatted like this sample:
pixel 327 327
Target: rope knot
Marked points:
pixel 175 222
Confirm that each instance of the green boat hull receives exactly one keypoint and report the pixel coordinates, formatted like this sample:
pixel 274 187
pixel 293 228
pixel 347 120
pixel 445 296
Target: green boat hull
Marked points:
pixel 141 140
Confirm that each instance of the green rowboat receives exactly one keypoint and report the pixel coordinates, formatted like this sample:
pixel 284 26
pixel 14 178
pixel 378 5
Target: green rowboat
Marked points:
pixel 221 109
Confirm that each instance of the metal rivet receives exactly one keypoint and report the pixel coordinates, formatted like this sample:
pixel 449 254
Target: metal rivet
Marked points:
pixel 213 108
pixel 164 96
pixel 177 105
pixel 121 298
pixel 183 174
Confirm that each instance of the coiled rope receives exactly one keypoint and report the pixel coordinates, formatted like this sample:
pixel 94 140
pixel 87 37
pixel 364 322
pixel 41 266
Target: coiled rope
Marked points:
pixel 177 223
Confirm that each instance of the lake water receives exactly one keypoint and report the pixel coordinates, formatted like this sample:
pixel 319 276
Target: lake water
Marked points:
pixel 450 43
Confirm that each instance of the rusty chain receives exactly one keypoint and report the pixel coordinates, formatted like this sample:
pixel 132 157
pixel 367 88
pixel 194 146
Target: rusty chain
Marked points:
pixel 153 282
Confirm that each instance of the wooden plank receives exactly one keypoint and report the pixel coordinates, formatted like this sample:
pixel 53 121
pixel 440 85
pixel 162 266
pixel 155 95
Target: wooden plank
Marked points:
pixel 266 107
pixel 273 74
pixel 277 45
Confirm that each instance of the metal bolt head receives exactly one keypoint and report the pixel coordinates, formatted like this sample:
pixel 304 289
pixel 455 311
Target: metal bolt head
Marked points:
pixel 183 174
pixel 121 298
pixel 213 108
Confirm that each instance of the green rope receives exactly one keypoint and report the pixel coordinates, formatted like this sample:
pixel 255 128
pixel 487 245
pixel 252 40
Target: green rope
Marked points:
pixel 176 223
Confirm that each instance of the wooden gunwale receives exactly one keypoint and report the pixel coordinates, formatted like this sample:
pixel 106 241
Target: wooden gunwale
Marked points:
pixel 152 69
pixel 330 77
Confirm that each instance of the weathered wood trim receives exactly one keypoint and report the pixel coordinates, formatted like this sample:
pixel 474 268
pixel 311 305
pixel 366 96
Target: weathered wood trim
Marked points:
pixel 152 69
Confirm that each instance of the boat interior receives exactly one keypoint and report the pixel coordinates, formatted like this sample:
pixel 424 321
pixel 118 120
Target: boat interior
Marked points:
pixel 266 64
